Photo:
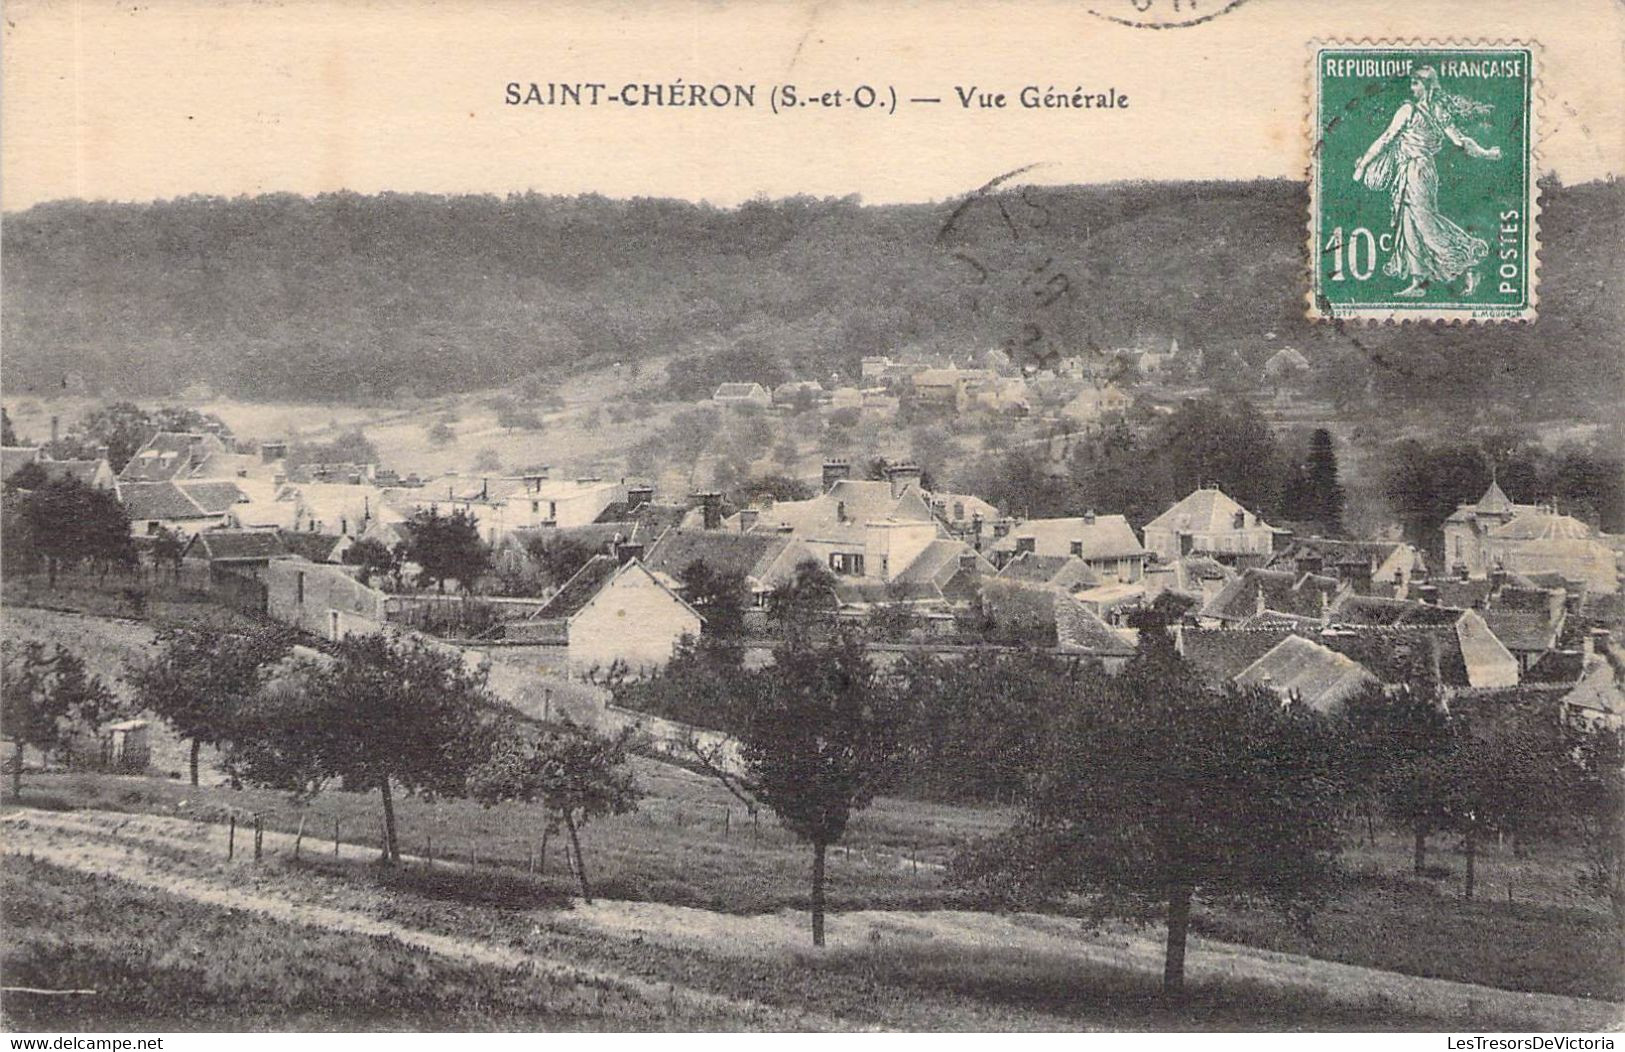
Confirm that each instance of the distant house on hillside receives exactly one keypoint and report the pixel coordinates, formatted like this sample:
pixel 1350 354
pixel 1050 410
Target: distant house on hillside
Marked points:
pixel 1286 365
pixel 740 394
pixel 1207 522
pixel 1096 403
pixel 612 611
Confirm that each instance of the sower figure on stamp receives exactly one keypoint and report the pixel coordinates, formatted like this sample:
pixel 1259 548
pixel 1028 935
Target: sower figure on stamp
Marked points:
pixel 1428 247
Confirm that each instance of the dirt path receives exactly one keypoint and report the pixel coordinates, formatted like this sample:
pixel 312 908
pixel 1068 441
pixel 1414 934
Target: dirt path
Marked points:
pixel 117 845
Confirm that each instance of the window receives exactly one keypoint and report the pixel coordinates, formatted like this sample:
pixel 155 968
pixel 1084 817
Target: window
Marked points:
pixel 535 507
pixel 1077 548
pixel 848 563
pixel 1240 520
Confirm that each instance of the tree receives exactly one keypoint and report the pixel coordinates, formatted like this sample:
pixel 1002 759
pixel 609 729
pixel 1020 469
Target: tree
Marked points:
pixel 819 733
pixel 1505 772
pixel 1600 762
pixel 380 714
pixel 575 773
pixel 1324 491
pixel 168 547
pixel 559 555
pixel 203 678
pixel 123 427
pixel 447 547
pixel 48 700
pixel 720 596
pixel 805 600
pixel 487 459
pixel 31 476
pixel 372 556
pixel 1384 737
pixel 1156 789
pixel 441 434
pixel 70 521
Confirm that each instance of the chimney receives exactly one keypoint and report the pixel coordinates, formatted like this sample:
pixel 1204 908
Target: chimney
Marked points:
pixel 638 496
pixel 1089 517
pixel 836 471
pixel 625 553
pixel 270 451
pixel 1429 594
pixel 1001 529
pixel 711 504
pixel 901 476
pixel 967 561
pixel 747 519
pixel 1498 579
pixel 1596 642
pixel 1026 544
pixel 101 452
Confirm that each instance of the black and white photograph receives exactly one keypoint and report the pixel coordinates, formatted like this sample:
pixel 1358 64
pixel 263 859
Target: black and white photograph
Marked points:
pixel 719 517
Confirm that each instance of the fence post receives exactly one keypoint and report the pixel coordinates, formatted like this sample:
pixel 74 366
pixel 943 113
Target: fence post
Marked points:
pixel 541 854
pixel 727 821
pixel 259 837
pixel 335 838
pixel 428 852
pixel 299 837
pixel 755 824
pixel 231 837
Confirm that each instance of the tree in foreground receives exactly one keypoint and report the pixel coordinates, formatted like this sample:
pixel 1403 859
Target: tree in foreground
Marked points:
pixel 575 773
pixel 1600 758
pixel 48 699
pixel 69 522
pixel 720 596
pixel 1156 790
pixel 202 679
pixel 1385 739
pixel 1510 772
pixel 818 734
pixel 380 714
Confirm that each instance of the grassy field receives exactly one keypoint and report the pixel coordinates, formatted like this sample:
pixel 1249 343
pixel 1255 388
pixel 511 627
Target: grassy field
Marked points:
pixel 157 959
pixel 692 845
pixel 158 962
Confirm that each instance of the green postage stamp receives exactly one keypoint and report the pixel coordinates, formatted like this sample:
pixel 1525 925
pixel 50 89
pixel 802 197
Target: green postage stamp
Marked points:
pixel 1422 182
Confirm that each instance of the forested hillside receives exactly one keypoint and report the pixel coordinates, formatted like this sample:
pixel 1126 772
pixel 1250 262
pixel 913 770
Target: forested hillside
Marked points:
pixel 349 297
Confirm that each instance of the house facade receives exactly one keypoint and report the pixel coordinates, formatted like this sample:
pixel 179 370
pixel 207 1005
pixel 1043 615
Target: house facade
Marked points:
pixel 1207 522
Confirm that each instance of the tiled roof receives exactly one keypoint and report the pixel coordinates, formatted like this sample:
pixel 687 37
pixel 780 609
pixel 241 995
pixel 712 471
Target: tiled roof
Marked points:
pixel 14 457
pixel 1462 594
pixel 1203 510
pixel 1556 666
pixel 1372 610
pixel 654 519
pixel 579 590
pixel 842 514
pixel 758 556
pixel 1314 674
pixel 1494 500
pixel 215 498
pixel 738 390
pixel 317 547
pixel 1107 537
pixel 239 545
pixel 1221 654
pixel 1063 571
pixel 1078 629
pixel 1307 595
pixel 1540 526
pixel 158 500
pixel 167 454
pixel 1523 630
pixel 83 470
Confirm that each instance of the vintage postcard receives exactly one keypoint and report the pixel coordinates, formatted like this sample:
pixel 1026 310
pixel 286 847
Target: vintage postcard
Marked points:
pixel 915 516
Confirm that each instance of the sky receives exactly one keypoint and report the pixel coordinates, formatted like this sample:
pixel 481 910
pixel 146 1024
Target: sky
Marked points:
pixel 122 101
